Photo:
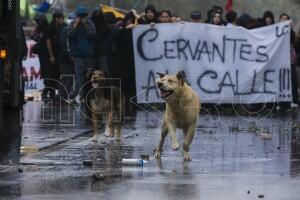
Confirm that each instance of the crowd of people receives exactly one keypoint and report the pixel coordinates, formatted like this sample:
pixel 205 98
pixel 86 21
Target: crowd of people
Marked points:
pixel 100 40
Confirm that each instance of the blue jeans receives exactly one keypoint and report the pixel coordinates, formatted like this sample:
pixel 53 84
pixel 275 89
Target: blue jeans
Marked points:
pixel 80 65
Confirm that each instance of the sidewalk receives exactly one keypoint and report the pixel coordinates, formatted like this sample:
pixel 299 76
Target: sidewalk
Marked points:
pixel 46 125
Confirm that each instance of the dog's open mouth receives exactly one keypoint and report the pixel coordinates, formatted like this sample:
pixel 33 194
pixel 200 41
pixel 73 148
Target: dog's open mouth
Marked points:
pixel 165 93
pixel 97 82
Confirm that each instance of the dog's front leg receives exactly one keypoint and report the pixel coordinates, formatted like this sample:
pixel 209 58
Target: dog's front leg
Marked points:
pixel 95 127
pixel 109 131
pixel 189 133
pixel 164 133
pixel 172 131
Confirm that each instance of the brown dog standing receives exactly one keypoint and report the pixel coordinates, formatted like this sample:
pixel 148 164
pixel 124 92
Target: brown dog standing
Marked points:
pixel 182 109
pixel 106 99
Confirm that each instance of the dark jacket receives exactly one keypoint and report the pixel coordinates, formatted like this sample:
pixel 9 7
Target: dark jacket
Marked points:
pixel 82 39
pixel 63 56
pixel 102 33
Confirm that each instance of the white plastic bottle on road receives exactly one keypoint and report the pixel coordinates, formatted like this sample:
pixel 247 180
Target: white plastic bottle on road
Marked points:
pixel 139 162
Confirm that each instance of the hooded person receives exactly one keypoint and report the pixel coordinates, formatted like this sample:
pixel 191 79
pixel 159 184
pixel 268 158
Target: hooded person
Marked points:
pixel 102 34
pixel 243 20
pixel 150 15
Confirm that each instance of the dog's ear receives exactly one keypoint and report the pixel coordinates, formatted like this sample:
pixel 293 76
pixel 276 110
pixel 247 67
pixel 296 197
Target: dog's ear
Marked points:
pixel 161 75
pixel 105 73
pixel 181 77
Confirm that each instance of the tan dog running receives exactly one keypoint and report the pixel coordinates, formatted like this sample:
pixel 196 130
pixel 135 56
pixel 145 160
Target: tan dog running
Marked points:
pixel 109 100
pixel 182 109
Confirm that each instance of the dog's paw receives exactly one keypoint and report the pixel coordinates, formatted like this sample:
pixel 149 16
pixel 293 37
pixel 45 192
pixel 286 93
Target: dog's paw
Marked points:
pixel 175 145
pixel 95 138
pixel 187 157
pixel 157 154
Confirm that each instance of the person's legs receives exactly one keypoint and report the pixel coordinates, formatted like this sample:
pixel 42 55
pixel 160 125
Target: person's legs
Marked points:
pixel 45 75
pixel 54 80
pixel 80 70
pixel 86 88
pixel 66 79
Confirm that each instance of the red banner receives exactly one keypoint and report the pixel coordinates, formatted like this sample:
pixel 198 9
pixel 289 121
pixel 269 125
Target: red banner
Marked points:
pixel 229 5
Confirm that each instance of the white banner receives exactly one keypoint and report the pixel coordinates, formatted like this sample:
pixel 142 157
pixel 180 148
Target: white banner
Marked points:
pixel 223 64
pixel 31 71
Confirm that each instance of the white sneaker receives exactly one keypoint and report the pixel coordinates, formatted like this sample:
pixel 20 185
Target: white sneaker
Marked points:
pixel 70 101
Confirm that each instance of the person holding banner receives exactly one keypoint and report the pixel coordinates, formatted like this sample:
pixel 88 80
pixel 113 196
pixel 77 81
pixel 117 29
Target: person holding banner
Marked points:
pixel 268 18
pixel 165 16
pixel 216 18
pixel 150 15
pixel 231 17
pixel 282 18
pixel 196 17
pixel 219 9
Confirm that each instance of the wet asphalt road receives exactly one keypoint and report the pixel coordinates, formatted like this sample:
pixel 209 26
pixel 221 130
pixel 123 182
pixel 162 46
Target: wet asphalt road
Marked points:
pixel 235 157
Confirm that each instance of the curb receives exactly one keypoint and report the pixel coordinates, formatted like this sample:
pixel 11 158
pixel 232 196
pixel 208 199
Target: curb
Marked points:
pixel 65 140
